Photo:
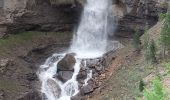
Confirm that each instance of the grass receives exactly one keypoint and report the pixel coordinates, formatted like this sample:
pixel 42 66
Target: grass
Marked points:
pixel 16 38
pixel 29 39
pixel 24 37
pixel 157 91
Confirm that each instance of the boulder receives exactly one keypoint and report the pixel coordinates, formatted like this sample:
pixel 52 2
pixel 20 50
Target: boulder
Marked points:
pixel 67 63
pixel 54 87
pixel 64 75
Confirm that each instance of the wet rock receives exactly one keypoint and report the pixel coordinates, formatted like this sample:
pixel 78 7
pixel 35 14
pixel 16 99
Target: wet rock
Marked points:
pixel 67 63
pixel 64 75
pixel 33 95
pixel 82 74
pixel 77 97
pixel 89 88
pixel 54 87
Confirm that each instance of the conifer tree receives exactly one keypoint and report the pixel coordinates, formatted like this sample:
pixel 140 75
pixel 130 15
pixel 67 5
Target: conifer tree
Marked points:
pixel 165 34
pixel 152 50
pixel 136 40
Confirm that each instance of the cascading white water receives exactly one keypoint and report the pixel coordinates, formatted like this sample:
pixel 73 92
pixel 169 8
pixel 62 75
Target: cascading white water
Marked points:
pixel 91 37
pixel 90 41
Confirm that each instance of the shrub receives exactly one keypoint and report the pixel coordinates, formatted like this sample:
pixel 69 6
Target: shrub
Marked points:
pixel 167 65
pixel 156 93
pixel 141 85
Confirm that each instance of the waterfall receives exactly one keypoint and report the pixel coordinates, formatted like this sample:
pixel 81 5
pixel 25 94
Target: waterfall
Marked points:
pixel 90 41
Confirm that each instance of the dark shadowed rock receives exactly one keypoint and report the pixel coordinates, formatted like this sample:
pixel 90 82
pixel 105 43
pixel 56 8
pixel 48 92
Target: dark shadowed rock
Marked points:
pixel 67 63
pixel 33 95
pixel 64 75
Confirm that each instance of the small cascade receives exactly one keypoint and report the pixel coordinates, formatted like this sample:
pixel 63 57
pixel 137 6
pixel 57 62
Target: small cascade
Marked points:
pixel 60 73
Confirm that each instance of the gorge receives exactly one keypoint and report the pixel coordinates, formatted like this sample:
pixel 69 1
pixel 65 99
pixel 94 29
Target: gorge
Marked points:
pixel 75 49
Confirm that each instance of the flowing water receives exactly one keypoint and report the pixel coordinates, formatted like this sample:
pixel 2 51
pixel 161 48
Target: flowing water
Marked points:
pixel 90 41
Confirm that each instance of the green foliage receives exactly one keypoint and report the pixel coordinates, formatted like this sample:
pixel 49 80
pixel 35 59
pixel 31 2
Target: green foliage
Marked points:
pixel 156 93
pixel 149 48
pixel 165 33
pixel 162 16
pixel 152 51
pixel 167 65
pixel 136 40
pixel 146 38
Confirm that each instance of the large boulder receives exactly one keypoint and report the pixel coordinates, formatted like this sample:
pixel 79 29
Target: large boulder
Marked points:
pixel 65 67
pixel 67 63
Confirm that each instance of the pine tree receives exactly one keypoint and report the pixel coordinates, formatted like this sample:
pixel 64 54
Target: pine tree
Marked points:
pixel 146 44
pixel 149 48
pixel 136 41
pixel 165 34
pixel 152 49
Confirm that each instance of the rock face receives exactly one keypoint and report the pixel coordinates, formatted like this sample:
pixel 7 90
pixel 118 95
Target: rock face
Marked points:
pixel 135 14
pixel 40 15
pixel 62 15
